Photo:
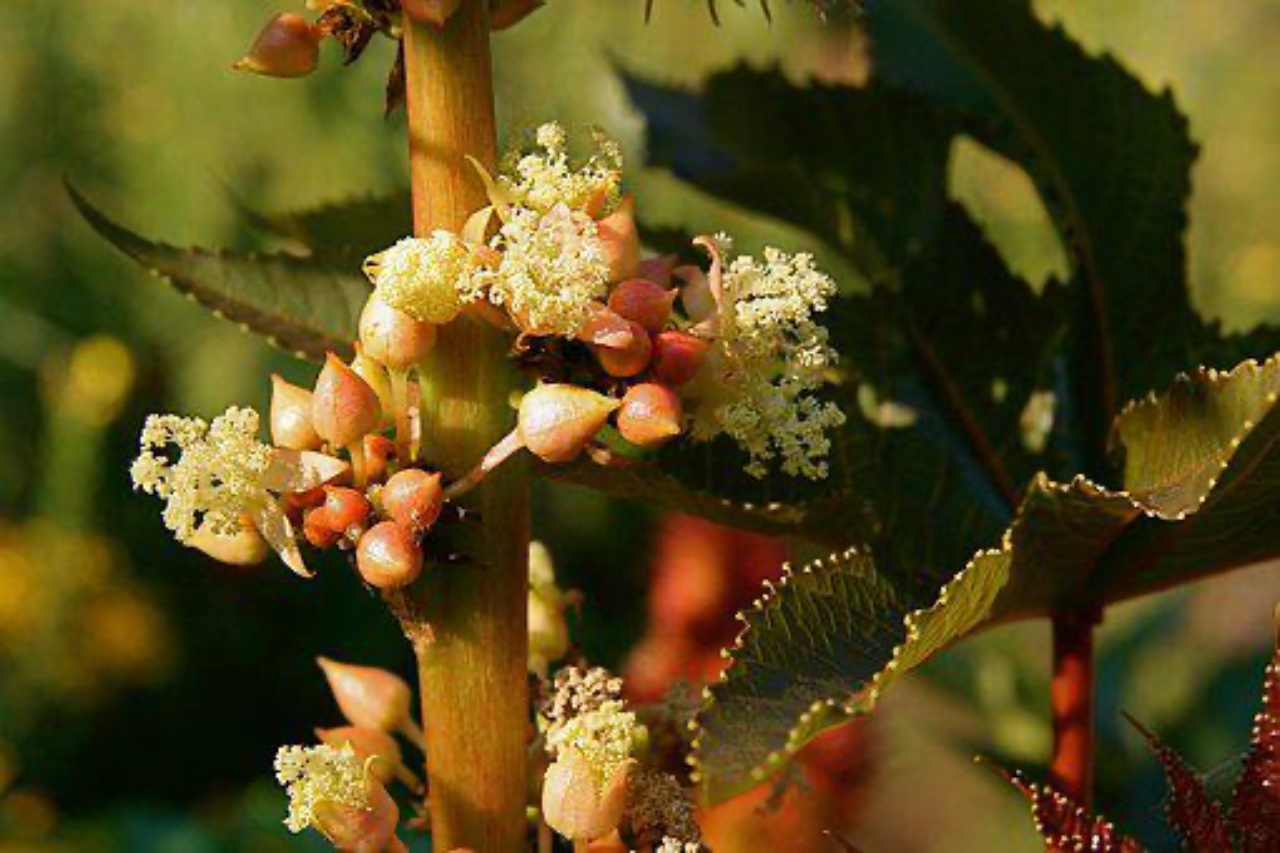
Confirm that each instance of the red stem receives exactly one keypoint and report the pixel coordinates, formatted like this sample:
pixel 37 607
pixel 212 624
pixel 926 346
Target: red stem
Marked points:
pixel 1071 699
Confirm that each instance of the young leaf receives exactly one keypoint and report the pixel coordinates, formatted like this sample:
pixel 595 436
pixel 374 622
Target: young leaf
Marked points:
pixel 1198 819
pixel 308 307
pixel 1256 808
pixel 1066 826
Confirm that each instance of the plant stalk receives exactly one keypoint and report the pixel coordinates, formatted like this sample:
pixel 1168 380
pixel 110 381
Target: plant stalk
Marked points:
pixel 472 673
pixel 1071 701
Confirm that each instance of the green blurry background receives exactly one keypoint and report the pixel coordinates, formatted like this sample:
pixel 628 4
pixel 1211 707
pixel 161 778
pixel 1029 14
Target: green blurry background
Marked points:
pixel 143 689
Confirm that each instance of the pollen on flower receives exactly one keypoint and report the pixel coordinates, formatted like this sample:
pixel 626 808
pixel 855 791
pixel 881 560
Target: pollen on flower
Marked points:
pixel 588 715
pixel 319 774
pixel 430 279
pixel 553 268
pixel 770 358
pixel 217 476
pixel 543 179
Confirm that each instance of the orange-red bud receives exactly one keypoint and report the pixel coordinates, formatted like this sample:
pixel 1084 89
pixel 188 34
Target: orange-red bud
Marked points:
pixel 621 240
pixel 651 415
pixel 288 46
pixel 388 556
pixel 643 302
pixel 291 425
pixel 413 498
pixel 344 408
pixel 605 328
pixel 630 359
pixel 343 514
pixel 367 696
pixel 557 421
pixel 677 356
pixel 377 450
pixel 393 337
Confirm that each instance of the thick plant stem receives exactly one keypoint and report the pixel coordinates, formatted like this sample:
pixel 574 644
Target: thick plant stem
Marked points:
pixel 472 673
pixel 1071 700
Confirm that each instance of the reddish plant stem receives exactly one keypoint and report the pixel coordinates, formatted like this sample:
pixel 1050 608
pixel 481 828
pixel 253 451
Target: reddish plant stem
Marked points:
pixel 1071 701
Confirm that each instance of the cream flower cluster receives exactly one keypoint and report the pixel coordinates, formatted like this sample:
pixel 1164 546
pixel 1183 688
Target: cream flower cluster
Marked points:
pixel 429 279
pixel 217 477
pixel 540 180
pixel 770 358
pixel 588 716
pixel 320 774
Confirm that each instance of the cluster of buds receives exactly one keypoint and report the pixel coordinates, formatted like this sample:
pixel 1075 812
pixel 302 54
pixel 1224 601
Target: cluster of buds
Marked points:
pixel 338 787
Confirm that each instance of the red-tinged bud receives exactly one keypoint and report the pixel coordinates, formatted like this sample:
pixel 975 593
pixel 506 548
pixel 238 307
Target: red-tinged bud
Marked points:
pixel 557 421
pixel 317 530
pixel 345 513
pixel 651 415
pixel 435 12
pixel 295 503
pixel 629 360
pixel 367 743
pixel 246 547
pixel 345 408
pixel 388 556
pixel 357 830
pixel 657 269
pixel 576 804
pixel 621 241
pixel 677 356
pixel 508 13
pixel 605 328
pixel 393 337
pixel 291 424
pixel 413 498
pixel 288 46
pixel 377 450
pixel 367 696
pixel 643 302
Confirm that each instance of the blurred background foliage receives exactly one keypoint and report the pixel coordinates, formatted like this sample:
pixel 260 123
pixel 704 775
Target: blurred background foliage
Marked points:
pixel 143 689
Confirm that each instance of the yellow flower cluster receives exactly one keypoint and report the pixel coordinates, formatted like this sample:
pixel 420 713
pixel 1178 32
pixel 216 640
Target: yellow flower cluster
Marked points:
pixel 319 774
pixel 217 477
pixel 552 268
pixel 429 279
pixel 543 179
pixel 588 715
pixel 770 357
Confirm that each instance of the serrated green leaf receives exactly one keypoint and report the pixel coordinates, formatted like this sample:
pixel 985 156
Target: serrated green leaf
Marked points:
pixel 345 231
pixel 306 306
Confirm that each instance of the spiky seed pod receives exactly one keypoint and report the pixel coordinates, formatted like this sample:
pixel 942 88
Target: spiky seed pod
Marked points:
pixel 677 356
pixel 630 360
pixel 392 337
pixel 291 425
pixel 288 46
pixel 643 302
pixel 367 696
pixel 621 240
pixel 413 498
pixel 651 414
pixel 557 421
pixel 344 408
pixel 388 556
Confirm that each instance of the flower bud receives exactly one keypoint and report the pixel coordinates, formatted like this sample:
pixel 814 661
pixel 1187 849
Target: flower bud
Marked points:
pixel 246 547
pixel 413 498
pixel 367 696
pixel 345 408
pixel 657 269
pixel 388 556
pixel 557 421
pixel 343 514
pixel 629 360
pixel 621 240
pixel 576 804
pixel 367 743
pixel 651 415
pixel 606 328
pixel 393 337
pixel 288 46
pixel 349 828
pixel 291 425
pixel 377 450
pixel 677 356
pixel 643 302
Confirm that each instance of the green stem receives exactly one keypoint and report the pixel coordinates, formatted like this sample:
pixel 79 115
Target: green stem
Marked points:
pixel 472 674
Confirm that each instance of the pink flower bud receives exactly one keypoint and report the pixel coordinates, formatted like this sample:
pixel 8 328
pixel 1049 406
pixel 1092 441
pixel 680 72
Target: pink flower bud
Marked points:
pixel 392 337
pixel 246 547
pixel 621 240
pixel 629 360
pixel 367 743
pixel 291 425
pixel 606 329
pixel 358 830
pixel 344 408
pixel 643 302
pixel 288 46
pixel 367 696
pixel 651 415
pixel 557 421
pixel 575 804
pixel 677 356
pixel 413 498
pixel 388 556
